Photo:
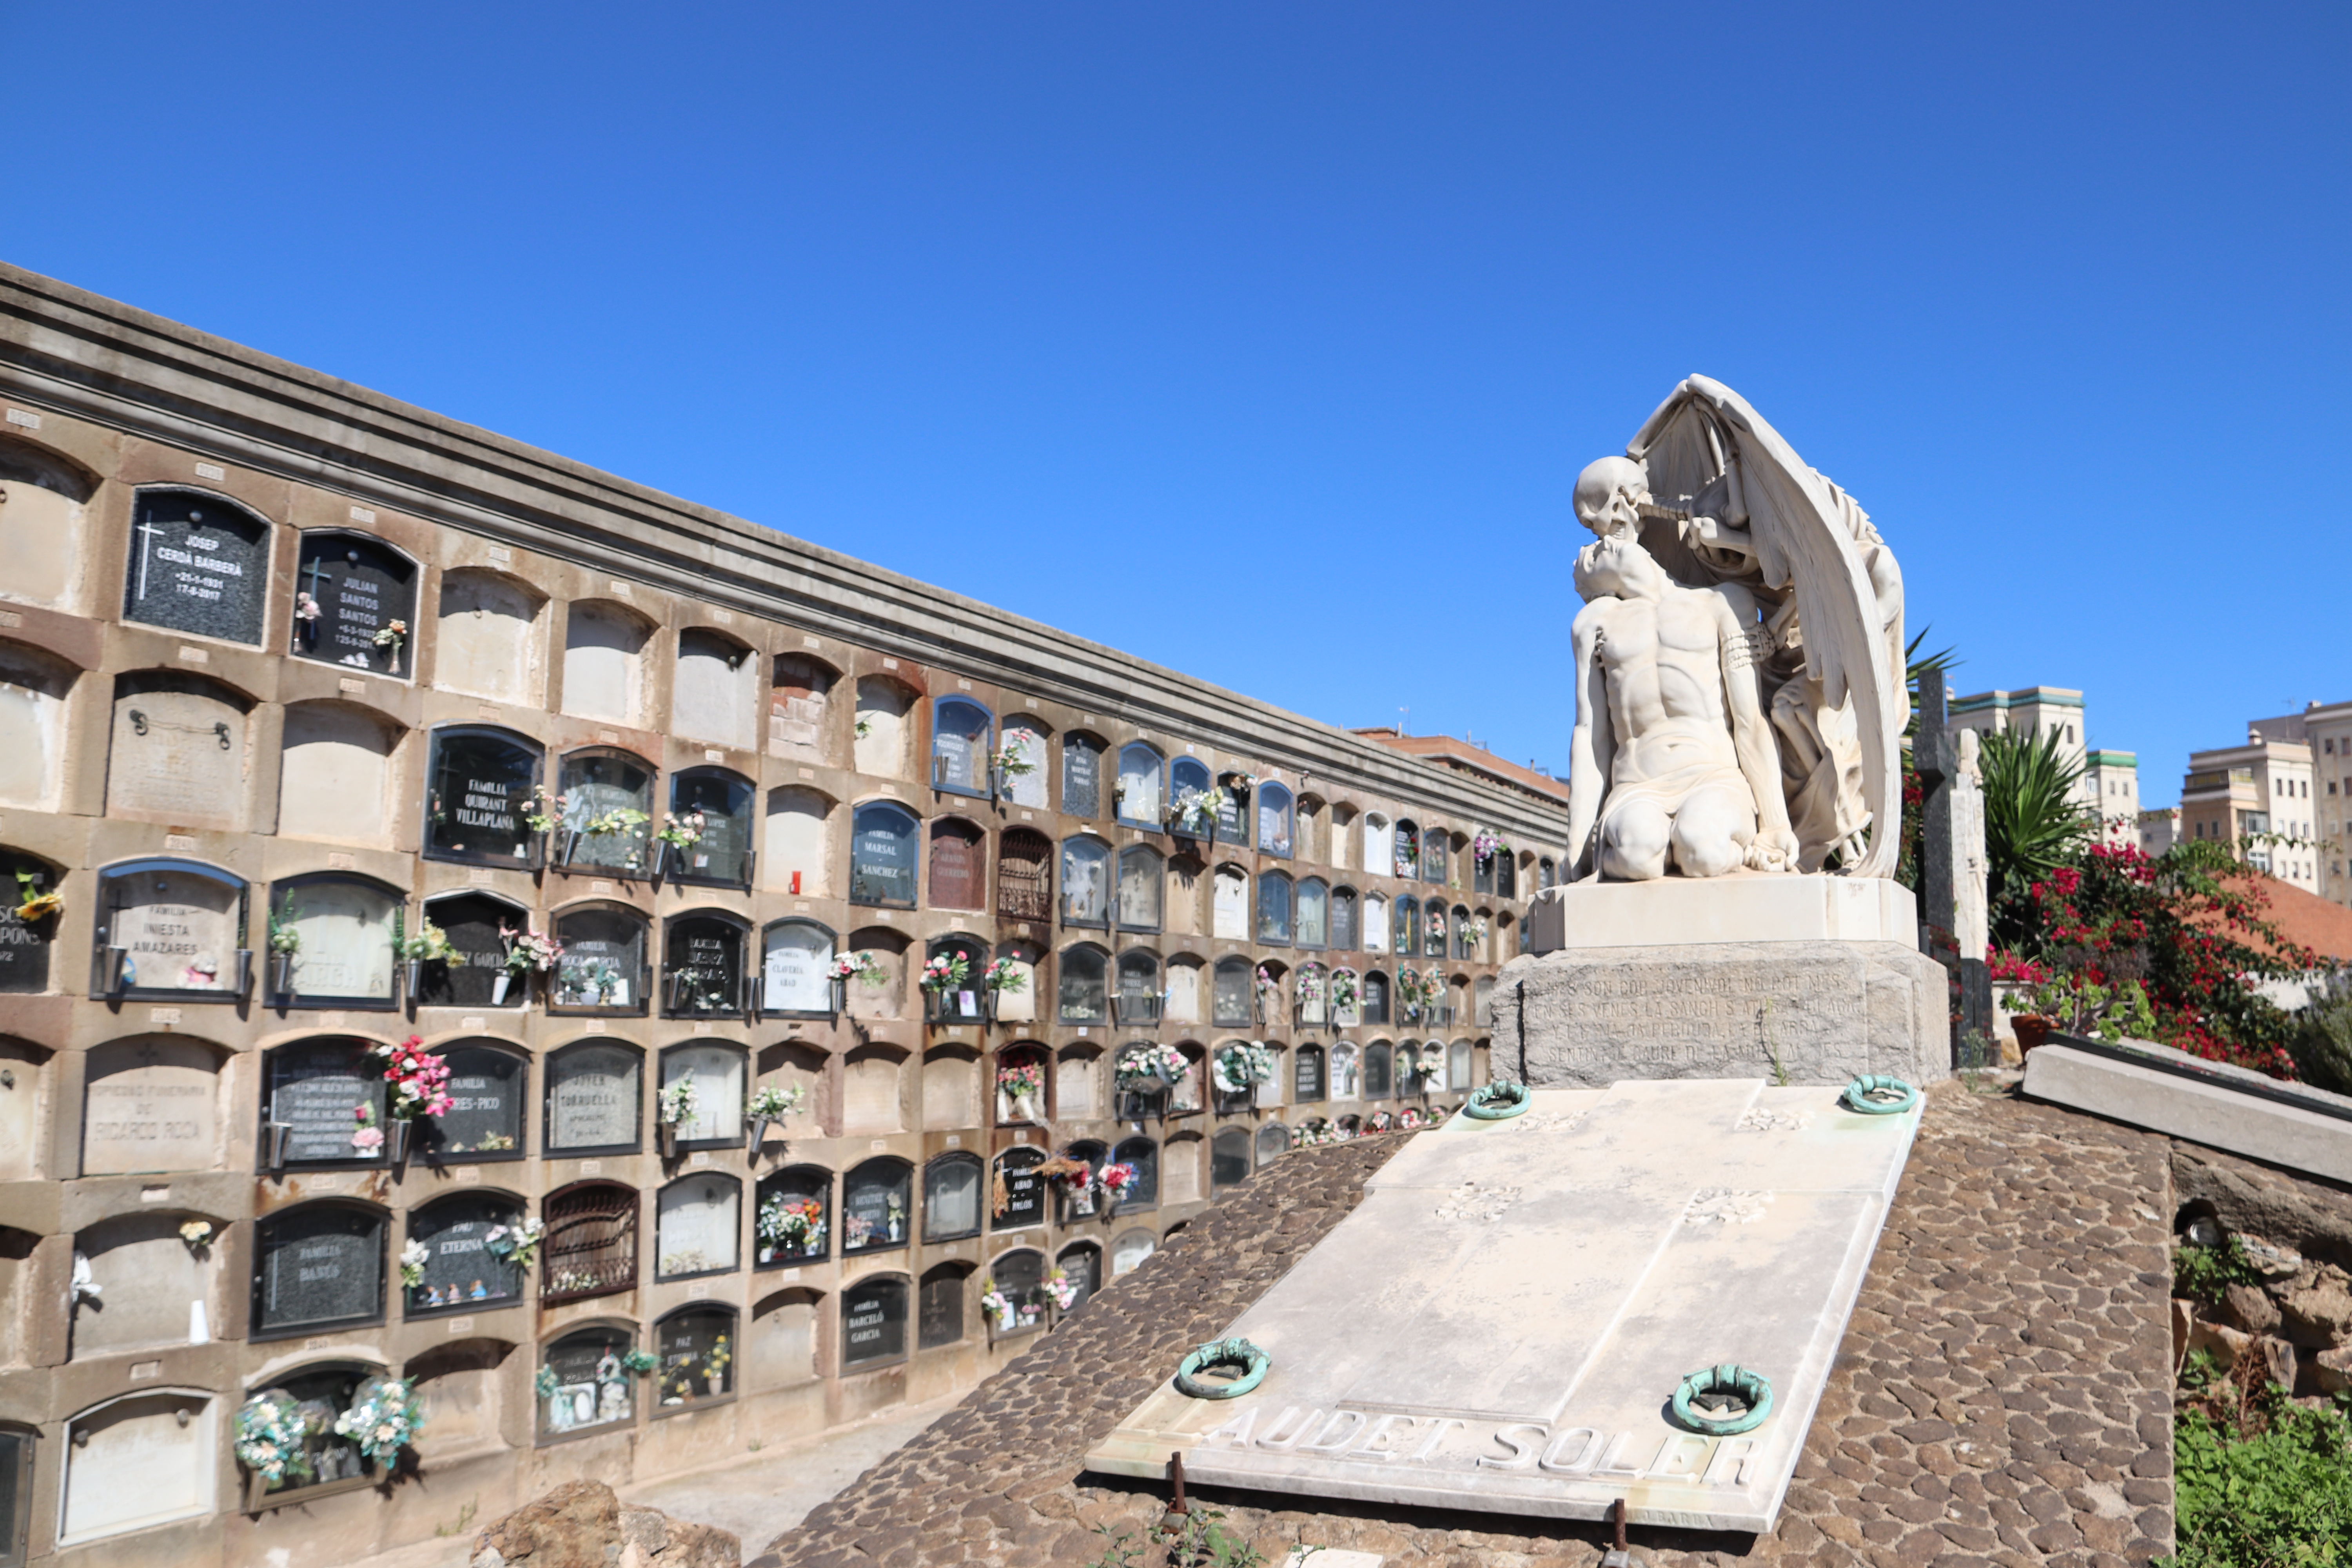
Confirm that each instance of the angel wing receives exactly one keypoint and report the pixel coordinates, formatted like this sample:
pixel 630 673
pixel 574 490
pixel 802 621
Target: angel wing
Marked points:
pixel 1809 537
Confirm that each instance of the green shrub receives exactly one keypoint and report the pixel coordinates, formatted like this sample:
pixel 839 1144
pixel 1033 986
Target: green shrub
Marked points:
pixel 2321 1044
pixel 2279 1500
pixel 2206 1273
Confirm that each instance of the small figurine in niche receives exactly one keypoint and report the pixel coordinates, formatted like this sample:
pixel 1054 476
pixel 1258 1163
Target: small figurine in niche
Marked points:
pixel 477 1293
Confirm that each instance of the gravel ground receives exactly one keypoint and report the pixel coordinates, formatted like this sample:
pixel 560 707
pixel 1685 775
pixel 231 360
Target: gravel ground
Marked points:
pixel 2003 1395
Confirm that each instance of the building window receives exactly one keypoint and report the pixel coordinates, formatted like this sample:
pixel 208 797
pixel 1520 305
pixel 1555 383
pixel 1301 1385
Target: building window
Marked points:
pixel 882 838
pixel 962 735
pixel 1273 908
pixel 1275 820
pixel 1085 882
pixel 325 1105
pixel 464 1267
pixel 590 1243
pixel 602 969
pixel 168 930
pixel 1141 770
pixel 1082 770
pixel 717 804
pixel 591 1387
pixel 796 970
pixel 793 1223
pixel 605 813
pixel 318 1266
pixel 696 1222
pixel 1142 880
pixel 873 1322
pixel 594 1100
pixel 702 965
pixel 874 1202
pixel 1083 987
pixel 1024 875
pixel 718 1072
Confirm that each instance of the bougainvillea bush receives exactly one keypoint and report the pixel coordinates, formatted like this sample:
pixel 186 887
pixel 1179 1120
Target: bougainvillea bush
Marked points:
pixel 2189 926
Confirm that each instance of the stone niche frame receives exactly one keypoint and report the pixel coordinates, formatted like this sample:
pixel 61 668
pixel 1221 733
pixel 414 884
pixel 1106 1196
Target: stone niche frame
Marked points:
pixel 359 584
pixel 199 565
pixel 963 739
pixel 479 784
pixel 701 1344
pixel 170 936
pixel 367 1226
pixel 287 896
pixel 557 1081
pixel 444 984
pixel 463 1073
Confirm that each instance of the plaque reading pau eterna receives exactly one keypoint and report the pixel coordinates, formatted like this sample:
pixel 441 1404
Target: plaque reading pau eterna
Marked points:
pixel 1559 1274
pixel 355 604
pixel 198 564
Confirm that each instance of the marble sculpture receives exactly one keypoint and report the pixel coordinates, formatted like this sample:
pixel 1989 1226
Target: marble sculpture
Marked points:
pixel 1740 692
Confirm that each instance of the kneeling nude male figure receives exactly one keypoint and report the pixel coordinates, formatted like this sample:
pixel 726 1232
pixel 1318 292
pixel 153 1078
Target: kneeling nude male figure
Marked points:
pixel 1672 753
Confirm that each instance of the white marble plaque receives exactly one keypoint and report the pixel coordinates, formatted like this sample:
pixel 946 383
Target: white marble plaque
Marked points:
pixel 1522 1298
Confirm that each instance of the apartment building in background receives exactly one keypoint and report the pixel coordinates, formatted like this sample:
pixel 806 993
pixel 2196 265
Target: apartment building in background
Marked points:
pixel 2324 730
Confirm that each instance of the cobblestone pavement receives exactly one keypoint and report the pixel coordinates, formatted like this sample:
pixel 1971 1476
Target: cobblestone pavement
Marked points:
pixel 2003 1393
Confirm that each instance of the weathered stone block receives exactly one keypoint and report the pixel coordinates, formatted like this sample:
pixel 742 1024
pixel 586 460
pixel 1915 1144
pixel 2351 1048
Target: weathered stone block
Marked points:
pixel 1802 1013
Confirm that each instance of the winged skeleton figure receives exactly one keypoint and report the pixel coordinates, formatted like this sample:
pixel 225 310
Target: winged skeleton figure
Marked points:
pixel 1720 501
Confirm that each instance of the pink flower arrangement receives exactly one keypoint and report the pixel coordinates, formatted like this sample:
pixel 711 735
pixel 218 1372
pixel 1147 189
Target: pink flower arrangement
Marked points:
pixel 1115 1177
pixel 368 1138
pixel 420 1081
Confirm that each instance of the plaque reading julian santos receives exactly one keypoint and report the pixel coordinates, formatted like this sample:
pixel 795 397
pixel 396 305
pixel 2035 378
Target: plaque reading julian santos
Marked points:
pixel 354 602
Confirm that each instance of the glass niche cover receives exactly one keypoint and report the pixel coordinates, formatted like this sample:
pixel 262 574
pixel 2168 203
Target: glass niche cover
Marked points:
pixel 716 807
pixel 325 1106
pixel 604 814
pixel 169 928
pixel 603 969
pixel 698 1355
pixel 355 604
pixel 466 1261
pixel 702 966
pixel 696 1226
pixel 478 798
pixel 330 941
pixel 713 1106
pixel 873 1202
pixel 585 1383
pixel 484 1121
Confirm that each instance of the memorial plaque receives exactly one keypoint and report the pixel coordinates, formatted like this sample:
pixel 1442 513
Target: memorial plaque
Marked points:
pixel 721 856
pixel 1082 1267
pixel 798 974
pixel 604 964
pixel 592 1098
pixel 1024 739
pixel 197 564
pixel 316 1089
pixel 460 1270
pixel 959 747
pixel 349 590
pixel 696 1225
pixel 1020 1276
pixel 150 1105
pixel 882 856
pixel 177 747
pixel 697 1354
pixel 1559 1273
pixel 873 1322
pixel 1082 776
pixel 874 1206
pixel 319 1265
pixel 702 972
pixel 1229 1158
pixel 951 1198
pixel 24 944
pixel 1024 1190
pixel 345 927
pixel 485 1100
pixel 1229 821
pixel 1085 882
pixel 479 793
pixel 595 784
pixel 471 922
pixel 1144 1155
pixel 719 1072
pixel 591 1387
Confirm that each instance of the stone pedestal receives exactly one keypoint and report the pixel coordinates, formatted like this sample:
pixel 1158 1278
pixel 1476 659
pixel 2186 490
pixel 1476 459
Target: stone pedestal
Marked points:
pixel 1804 1012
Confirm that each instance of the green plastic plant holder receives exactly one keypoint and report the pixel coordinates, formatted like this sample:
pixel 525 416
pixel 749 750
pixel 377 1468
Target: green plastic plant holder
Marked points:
pixel 1751 1387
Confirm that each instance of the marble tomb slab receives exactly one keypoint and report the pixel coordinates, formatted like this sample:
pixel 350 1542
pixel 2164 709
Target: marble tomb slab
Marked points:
pixel 1501 1323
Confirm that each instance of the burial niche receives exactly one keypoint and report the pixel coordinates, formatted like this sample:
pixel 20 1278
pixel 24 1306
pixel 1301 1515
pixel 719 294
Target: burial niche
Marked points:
pixel 714 807
pixel 951 1197
pixel 150 1286
pixel 1084 989
pixel 478 798
pixel 1273 908
pixel 1229 904
pixel 1273 1142
pixel 1082 771
pixel 1191 803
pixel 330 941
pixel 702 965
pixel 1026 750
pixel 42 510
pixel 32 691
pixel 882 851
pixel 487 1085
pixel 1140 887
pixel 799 842
pixel 1233 996
pixel 1229 1158
pixel 1137 997
pixel 881 732
pixel 332 780
pixel 961 732
pixel 874 1321
pixel 468 1263
pixel 1143 1191
pixel 696 1220
pixel 1128 1253
pixel 714 1119
pixel 1017 1197
pixel 151 1104
pixel 1081 1267
pixel 1313 927
pixel 487 640
pixel 164 1440
pixel 796 970
pixel 594 1100
pixel 1141 770
pixel 324 1104
pixel 471 976
pixel 1019 1276
pixel 318 1266
pixel 1086 881
pixel 602 969
pixel 874 1202
pixel 697 1346
pixel 603 659
pixel 1274 820
pixel 355 604
pixel 606 813
pixel 938 1313
pixel 792 1222
pixel 959 865
pixel 589 1247
pixel 198 564
pixel 796 707
pixel 178 749
pixel 24 943
pixel 585 1385
pixel 783 1351
pixel 713 691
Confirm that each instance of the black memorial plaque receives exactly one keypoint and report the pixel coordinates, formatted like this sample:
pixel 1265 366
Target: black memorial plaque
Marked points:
pixel 199 565
pixel 874 1208
pixel 25 944
pixel 721 856
pixel 480 795
pixel 460 1270
pixel 316 1089
pixel 486 1092
pixel 471 979
pixel 604 964
pixel 882 858
pixel 1024 1190
pixel 1081 776
pixel 874 1321
pixel 359 588
pixel 593 1098
pixel 940 1314
pixel 318 1266
pixel 704 973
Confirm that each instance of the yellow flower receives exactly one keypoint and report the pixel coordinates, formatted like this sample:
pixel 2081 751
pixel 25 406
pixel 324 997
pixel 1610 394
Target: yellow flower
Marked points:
pixel 40 906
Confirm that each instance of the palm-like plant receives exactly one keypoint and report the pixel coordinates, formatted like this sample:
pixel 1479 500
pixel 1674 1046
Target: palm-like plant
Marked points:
pixel 2033 821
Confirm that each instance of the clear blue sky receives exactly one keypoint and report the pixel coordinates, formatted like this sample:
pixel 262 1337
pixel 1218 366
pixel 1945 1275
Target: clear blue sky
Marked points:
pixel 1264 340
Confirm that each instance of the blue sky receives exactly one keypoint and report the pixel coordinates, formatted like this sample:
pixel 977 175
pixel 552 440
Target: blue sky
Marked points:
pixel 1266 341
